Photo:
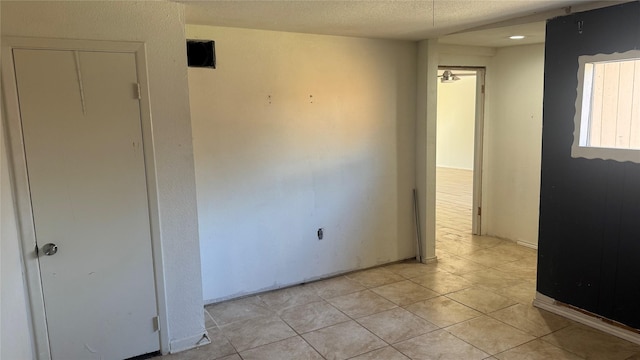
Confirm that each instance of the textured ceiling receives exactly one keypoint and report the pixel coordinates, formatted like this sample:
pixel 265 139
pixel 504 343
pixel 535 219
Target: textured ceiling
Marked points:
pixel 389 19
pixel 499 37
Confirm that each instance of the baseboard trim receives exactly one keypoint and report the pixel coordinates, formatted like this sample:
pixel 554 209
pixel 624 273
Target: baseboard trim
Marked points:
pixel 178 345
pixel 526 244
pixel 547 303
pixel 431 260
pixel 307 281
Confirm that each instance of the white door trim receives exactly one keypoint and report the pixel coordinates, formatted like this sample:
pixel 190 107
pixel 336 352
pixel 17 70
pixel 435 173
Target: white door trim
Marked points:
pixel 478 153
pixel 478 141
pixel 20 184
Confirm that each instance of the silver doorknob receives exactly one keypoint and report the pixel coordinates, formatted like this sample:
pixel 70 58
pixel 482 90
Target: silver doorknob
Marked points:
pixel 50 249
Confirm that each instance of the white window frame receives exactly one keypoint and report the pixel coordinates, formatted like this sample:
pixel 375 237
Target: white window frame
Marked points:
pixel 581 121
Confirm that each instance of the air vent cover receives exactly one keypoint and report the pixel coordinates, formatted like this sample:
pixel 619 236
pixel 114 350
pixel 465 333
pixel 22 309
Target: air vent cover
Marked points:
pixel 201 53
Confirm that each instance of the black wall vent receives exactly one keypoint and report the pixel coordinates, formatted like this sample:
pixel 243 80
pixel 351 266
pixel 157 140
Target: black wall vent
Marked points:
pixel 201 53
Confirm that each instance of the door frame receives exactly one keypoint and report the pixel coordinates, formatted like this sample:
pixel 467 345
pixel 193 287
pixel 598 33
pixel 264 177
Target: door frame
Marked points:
pixel 478 147
pixel 20 184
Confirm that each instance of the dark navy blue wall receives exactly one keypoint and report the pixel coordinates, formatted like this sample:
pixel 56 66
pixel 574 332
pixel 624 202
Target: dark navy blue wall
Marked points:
pixel 589 242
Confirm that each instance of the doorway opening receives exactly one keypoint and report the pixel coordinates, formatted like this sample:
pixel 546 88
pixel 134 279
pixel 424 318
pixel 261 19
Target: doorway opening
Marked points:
pixel 460 121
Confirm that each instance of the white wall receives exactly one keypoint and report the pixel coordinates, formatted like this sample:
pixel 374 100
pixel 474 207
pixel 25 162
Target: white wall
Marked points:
pixel 456 123
pixel 457 55
pixel 161 26
pixel 426 131
pixel 271 171
pixel 514 142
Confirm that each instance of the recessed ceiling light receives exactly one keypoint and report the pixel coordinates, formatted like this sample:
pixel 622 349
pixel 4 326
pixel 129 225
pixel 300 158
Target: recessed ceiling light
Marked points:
pixel 516 37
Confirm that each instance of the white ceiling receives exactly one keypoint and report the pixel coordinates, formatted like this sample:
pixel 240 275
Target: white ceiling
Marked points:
pixel 499 37
pixel 387 19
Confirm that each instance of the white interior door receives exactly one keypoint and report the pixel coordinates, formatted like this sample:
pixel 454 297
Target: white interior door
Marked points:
pixel 83 145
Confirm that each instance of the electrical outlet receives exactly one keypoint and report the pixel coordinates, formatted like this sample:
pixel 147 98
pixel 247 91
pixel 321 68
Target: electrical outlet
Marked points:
pixel 320 233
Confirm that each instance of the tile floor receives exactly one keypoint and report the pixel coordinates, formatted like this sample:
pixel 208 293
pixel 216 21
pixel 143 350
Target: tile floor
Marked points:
pixel 474 303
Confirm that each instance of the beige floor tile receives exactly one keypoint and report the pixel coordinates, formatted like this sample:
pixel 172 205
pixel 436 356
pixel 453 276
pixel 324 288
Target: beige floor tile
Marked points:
pixel 490 258
pixel 336 286
pixel 489 335
pixel 512 248
pixel 486 241
pixel 208 320
pixel 458 247
pixel 396 325
pixel 457 265
pixel 404 292
pixel 493 279
pixel 238 310
pixel 525 268
pixel 387 353
pixel 451 229
pixel 442 311
pixel 297 295
pixel 440 254
pixel 231 357
pixel 410 269
pixel 219 348
pixel 523 293
pixel 312 316
pixel 439 345
pixel 465 244
pixel 442 282
pixel 537 350
pixel 294 348
pixel 343 341
pixel 534 321
pixel 375 277
pixel 481 299
pixel 592 344
pixel 251 333
pixel 362 303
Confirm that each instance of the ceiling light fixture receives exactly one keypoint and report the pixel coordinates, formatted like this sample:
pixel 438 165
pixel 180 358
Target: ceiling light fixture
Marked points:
pixel 448 77
pixel 516 37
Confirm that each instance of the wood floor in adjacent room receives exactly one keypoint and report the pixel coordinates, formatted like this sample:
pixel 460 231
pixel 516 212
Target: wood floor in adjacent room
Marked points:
pixel 474 303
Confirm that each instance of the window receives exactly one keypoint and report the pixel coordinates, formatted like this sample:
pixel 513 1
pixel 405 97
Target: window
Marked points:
pixel 607 120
